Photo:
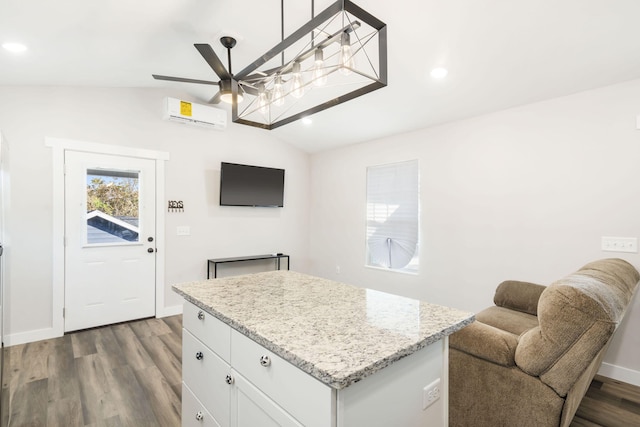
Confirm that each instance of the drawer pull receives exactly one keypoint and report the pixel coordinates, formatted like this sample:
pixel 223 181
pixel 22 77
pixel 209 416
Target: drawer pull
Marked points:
pixel 201 315
pixel 199 355
pixel 265 360
pixel 199 416
pixel 229 379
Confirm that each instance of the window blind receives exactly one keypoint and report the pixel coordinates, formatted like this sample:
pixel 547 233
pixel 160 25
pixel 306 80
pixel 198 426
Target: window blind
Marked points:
pixel 393 216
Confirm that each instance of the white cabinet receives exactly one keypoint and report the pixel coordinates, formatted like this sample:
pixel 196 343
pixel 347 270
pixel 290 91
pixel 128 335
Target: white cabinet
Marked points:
pixel 204 372
pixel 231 381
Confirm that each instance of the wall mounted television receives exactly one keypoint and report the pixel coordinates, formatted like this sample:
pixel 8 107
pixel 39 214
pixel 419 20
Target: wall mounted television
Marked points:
pixel 246 185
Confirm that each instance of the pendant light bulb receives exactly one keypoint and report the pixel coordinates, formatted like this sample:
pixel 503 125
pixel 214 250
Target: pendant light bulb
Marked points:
pixel 318 75
pixel 297 84
pixel 278 92
pixel 263 100
pixel 347 62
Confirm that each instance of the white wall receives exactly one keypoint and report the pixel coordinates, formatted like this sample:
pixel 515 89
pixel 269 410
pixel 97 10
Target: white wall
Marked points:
pixel 520 194
pixel 132 117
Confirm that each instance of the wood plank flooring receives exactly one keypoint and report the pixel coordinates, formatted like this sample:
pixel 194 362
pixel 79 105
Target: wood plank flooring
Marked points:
pixel 129 375
pixel 609 403
pixel 124 375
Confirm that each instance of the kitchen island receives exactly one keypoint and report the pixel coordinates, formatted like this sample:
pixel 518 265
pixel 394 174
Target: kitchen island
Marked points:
pixel 285 348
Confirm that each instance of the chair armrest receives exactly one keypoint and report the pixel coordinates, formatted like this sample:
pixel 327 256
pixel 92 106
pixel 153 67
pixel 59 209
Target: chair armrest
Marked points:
pixel 486 342
pixel 519 296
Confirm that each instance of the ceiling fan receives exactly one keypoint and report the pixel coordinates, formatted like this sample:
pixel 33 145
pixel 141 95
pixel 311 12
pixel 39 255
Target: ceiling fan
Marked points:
pixel 226 77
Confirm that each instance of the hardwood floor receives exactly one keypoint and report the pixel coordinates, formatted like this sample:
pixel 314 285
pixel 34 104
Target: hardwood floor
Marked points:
pixel 129 375
pixel 609 403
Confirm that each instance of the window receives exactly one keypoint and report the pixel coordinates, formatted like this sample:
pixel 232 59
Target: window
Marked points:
pixel 112 207
pixel 393 216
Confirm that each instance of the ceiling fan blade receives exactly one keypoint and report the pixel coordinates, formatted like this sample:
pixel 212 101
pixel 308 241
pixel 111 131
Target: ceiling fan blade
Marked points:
pixel 212 59
pixel 181 79
pixel 216 98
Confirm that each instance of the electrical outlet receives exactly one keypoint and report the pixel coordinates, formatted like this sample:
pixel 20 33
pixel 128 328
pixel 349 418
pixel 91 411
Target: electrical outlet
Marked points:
pixel 620 244
pixel 430 394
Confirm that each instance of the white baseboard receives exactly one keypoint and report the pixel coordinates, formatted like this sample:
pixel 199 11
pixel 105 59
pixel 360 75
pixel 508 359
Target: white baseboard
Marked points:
pixel 30 336
pixel 49 333
pixel 169 311
pixel 619 373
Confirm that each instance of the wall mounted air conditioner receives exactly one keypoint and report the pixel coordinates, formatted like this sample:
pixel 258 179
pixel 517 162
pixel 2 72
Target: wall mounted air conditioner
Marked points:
pixel 196 114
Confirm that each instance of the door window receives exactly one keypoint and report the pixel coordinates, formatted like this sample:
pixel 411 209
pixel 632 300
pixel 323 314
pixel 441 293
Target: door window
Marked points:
pixel 113 212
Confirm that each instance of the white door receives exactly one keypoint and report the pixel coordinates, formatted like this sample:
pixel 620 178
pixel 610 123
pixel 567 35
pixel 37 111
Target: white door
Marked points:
pixel 109 239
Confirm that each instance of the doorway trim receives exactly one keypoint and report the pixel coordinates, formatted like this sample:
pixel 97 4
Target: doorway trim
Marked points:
pixel 59 146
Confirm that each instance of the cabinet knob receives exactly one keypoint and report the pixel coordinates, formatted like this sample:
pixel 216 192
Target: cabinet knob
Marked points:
pixel 265 360
pixel 201 315
pixel 229 379
pixel 199 355
pixel 199 416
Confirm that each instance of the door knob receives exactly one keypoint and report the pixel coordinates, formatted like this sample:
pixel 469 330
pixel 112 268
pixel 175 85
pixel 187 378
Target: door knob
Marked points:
pixel 150 239
pixel 199 416
pixel 150 250
pixel 199 355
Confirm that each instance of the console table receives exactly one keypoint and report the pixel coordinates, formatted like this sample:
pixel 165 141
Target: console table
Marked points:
pixel 216 261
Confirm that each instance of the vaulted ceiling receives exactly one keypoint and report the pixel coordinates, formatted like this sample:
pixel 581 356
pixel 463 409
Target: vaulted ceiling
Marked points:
pixel 499 53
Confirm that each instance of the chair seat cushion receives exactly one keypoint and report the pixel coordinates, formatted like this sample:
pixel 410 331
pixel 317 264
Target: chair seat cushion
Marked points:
pixel 508 320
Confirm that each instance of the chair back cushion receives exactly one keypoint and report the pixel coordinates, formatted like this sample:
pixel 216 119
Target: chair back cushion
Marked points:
pixel 577 316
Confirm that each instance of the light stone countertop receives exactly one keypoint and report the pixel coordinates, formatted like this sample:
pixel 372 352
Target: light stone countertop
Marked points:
pixel 335 332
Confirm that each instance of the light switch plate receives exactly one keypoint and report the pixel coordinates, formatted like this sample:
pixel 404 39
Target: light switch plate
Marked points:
pixel 620 244
pixel 183 230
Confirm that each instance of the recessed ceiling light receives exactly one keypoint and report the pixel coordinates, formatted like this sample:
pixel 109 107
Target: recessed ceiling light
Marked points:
pixel 14 47
pixel 439 73
pixel 307 121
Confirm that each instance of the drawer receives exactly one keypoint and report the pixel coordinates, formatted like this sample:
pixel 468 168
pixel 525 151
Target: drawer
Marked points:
pixel 305 398
pixel 205 374
pixel 194 413
pixel 211 331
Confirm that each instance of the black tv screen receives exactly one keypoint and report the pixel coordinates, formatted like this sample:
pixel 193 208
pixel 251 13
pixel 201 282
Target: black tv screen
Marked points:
pixel 245 185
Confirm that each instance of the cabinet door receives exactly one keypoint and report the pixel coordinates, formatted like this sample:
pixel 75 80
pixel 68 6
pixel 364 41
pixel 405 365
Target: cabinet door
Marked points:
pixel 251 408
pixel 194 413
pixel 205 374
pixel 307 400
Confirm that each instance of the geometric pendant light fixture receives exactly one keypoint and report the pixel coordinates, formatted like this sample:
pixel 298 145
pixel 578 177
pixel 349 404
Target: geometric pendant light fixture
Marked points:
pixel 337 56
pixel 340 54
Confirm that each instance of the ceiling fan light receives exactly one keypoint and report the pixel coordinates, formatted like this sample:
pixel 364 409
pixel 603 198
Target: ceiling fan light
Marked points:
pixel 226 95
